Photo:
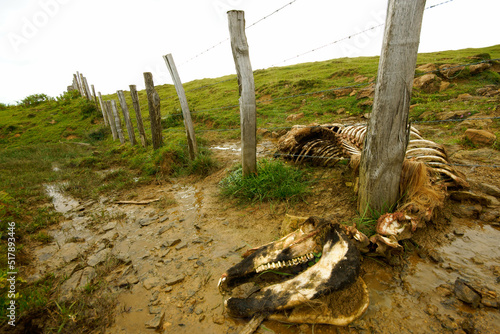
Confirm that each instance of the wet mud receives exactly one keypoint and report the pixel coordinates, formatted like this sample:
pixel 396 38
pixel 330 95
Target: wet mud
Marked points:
pixel 173 252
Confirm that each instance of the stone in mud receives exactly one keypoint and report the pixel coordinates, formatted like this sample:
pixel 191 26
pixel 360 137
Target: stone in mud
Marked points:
pixel 77 281
pixel 464 293
pixel 156 322
pixel 435 257
pixel 99 257
pixel 155 310
pixel 151 282
pixel 109 226
pixel 174 280
pixel 69 252
pixel 462 196
pixel 147 221
pixel 468 211
pixel 171 243
pixel 490 302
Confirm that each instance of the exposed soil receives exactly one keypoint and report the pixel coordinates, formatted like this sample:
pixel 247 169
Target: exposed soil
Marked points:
pixel 173 252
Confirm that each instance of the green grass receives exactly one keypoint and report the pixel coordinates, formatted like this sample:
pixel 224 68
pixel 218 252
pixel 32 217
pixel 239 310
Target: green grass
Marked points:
pixel 274 181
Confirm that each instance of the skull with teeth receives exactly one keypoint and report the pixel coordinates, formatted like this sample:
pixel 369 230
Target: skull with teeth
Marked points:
pixel 302 275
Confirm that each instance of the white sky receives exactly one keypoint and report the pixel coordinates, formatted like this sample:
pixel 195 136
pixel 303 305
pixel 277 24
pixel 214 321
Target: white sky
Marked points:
pixel 112 42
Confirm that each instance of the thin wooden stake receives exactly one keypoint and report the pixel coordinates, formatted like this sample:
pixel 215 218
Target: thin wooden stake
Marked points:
pixel 154 111
pixel 126 116
pixel 87 89
pixel 246 84
pixel 118 121
pixel 111 118
pixel 188 123
pixel 104 113
pixel 138 115
pixel 387 134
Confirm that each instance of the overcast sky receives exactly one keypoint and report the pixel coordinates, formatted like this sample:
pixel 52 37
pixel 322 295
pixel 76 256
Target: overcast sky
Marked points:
pixel 112 42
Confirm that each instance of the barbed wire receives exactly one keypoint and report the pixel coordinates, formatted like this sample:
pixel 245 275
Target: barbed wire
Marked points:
pixel 348 37
pixel 227 39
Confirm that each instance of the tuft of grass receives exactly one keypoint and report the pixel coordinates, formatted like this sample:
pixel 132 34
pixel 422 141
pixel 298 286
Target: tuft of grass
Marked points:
pixel 274 181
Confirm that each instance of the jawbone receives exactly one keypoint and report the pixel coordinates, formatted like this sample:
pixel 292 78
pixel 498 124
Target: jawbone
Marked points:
pixel 337 268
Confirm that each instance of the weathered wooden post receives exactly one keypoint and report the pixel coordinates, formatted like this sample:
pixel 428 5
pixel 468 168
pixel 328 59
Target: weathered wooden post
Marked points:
pixel 87 89
pixel 111 119
pixel 248 119
pixel 154 111
pixel 126 116
pixel 104 113
pixel 118 121
pixel 79 84
pixel 76 84
pixel 84 91
pixel 387 135
pixel 188 123
pixel 138 116
pixel 94 96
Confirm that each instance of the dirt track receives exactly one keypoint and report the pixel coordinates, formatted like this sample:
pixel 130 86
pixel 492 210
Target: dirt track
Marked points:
pixel 173 255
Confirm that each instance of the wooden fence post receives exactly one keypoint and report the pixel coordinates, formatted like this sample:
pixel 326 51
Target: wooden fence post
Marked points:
pixel 84 91
pixel 126 116
pixel 117 122
pixel 79 84
pixel 87 89
pixel 246 84
pixel 94 96
pixel 387 134
pixel 154 111
pixel 138 116
pixel 104 113
pixel 111 119
pixel 188 123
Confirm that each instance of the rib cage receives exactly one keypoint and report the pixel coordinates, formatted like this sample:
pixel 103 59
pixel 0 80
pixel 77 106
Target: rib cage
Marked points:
pixel 326 145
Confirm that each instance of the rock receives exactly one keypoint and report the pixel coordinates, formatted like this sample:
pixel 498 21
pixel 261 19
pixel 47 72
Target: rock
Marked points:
pixel 98 258
pixel 365 104
pixel 151 282
pixel 171 243
pixel 342 92
pixel 478 68
pixel 77 281
pixel 109 226
pixel 480 137
pixel 155 310
pixel 427 67
pixel 446 115
pixel 490 216
pixel 464 293
pixel 147 221
pixel 490 302
pixel 218 319
pixel 340 111
pixel 478 121
pixel 368 92
pixel 444 85
pixel 468 211
pixel 294 117
pixel 450 70
pixel 174 280
pixel 465 97
pixel 156 322
pixel 360 78
pixel 69 252
pixel 434 256
pixel 181 246
pixel 429 83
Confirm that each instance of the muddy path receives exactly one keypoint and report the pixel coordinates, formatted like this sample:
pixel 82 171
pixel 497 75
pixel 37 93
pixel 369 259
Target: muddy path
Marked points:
pixel 173 251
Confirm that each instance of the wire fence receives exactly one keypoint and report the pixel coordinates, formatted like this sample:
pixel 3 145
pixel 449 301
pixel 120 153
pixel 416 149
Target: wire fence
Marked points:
pixel 351 86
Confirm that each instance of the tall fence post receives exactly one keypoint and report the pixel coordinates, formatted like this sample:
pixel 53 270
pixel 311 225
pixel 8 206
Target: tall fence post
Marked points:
pixel 246 84
pixel 188 123
pixel 118 121
pixel 138 116
pixel 111 118
pixel 154 111
pixel 79 84
pixel 94 96
pixel 104 113
pixel 87 89
pixel 126 116
pixel 387 134
pixel 82 83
